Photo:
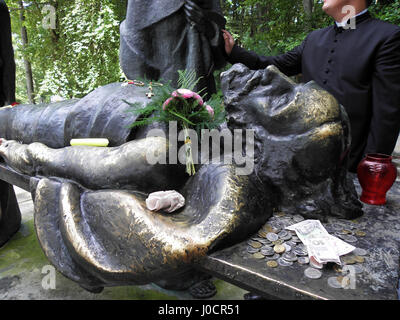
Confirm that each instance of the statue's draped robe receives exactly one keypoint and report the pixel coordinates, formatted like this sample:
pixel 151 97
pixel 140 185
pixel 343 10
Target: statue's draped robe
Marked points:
pixel 157 41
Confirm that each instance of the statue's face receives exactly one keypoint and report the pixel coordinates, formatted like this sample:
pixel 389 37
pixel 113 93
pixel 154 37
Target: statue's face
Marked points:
pixel 301 132
pixel 276 106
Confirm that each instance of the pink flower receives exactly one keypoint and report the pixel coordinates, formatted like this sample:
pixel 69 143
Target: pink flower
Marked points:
pixel 187 94
pixel 210 110
pixel 166 103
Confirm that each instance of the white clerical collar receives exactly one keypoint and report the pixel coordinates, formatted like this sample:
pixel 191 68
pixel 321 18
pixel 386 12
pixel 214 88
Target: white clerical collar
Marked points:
pixel 342 24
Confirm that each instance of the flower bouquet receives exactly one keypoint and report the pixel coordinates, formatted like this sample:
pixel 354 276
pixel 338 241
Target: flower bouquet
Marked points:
pixel 184 106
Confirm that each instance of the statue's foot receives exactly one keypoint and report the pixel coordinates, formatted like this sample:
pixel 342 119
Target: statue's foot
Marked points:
pixel 252 296
pixel 203 290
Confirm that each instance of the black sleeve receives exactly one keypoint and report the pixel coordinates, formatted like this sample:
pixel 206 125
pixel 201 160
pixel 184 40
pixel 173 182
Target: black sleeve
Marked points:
pixel 289 63
pixel 7 69
pixel 385 123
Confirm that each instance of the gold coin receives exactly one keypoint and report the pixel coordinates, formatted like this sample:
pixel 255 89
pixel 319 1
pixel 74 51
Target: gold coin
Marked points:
pixel 343 280
pixel 345 231
pixel 359 259
pixel 280 214
pixel 258 255
pixel 360 233
pixel 277 242
pixel 272 264
pixel 279 248
pixel 268 228
pixel 262 234
pixel 348 260
pixel 255 244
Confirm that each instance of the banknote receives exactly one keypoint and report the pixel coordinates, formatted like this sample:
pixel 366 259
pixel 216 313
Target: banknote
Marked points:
pixel 320 244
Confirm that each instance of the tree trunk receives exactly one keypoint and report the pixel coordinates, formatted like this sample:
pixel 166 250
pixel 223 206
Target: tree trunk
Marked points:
pixel 308 9
pixel 28 67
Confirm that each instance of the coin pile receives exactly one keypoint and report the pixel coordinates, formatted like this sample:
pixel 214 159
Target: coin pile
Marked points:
pixel 347 231
pixel 277 246
pixel 280 247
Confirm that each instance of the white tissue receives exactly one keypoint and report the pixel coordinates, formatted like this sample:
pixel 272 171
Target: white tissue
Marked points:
pixel 168 201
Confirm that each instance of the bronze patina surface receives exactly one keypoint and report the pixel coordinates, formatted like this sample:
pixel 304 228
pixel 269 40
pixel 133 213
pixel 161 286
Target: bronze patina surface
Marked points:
pixel 90 215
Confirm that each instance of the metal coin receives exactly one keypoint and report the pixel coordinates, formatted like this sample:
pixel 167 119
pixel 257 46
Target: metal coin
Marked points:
pixel 360 252
pixel 289 256
pixel 268 251
pixel 312 273
pixel 315 264
pixel 255 244
pixel 283 234
pixel 296 239
pixel 359 259
pixel 287 237
pixel 346 231
pixel 272 236
pixel 265 242
pixel 274 257
pixel 348 238
pixel 282 262
pixel 344 281
pixel 262 234
pixel 269 229
pixel 258 255
pixel 336 226
pixel 291 243
pixel 298 218
pixel 360 233
pixel 277 242
pixel 300 252
pixel 279 248
pixel 252 250
pixel 303 260
pixel 334 283
pixel 348 260
pixel 272 264
pixel 287 247
pixel 302 247
pixel 259 239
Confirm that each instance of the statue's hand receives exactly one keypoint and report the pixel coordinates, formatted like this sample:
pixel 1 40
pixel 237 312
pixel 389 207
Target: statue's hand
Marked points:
pixel 195 16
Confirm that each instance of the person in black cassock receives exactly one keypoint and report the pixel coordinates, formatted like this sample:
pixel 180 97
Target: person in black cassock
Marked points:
pixel 7 64
pixel 360 67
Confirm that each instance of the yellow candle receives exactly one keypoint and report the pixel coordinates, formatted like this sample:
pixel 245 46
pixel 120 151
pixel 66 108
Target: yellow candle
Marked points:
pixel 90 142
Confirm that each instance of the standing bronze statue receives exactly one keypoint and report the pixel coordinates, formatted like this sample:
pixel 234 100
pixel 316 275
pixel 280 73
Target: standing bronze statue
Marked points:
pixel 160 37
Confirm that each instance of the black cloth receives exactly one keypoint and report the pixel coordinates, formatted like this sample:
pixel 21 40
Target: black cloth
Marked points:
pixel 360 67
pixel 7 63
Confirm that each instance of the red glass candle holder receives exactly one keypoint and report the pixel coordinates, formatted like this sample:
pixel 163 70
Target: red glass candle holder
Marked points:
pixel 376 174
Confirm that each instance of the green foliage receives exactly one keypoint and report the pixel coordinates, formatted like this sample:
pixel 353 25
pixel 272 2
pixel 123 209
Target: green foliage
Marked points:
pixel 82 52
pixel 78 56
pixel 169 105
pixel 388 12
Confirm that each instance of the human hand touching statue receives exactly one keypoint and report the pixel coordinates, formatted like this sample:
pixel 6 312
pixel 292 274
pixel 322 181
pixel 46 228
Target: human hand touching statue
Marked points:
pixel 229 42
